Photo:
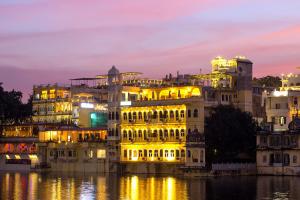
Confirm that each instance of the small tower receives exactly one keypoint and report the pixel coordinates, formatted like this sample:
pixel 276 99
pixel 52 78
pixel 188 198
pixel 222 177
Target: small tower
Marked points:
pixel 114 77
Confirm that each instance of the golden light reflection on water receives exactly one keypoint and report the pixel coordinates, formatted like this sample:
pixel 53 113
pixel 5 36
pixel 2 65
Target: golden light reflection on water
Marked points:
pixel 32 186
pixel 105 187
pixel 151 188
pixel 51 187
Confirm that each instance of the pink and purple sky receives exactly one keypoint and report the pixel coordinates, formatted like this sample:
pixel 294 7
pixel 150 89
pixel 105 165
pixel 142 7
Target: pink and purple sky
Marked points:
pixel 49 41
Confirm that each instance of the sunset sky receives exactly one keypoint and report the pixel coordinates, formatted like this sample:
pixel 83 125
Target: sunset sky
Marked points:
pixel 48 41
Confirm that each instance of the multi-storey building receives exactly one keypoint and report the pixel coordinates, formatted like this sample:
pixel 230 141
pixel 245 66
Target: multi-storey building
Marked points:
pixel 89 106
pixel 18 149
pixel 52 104
pixel 151 123
pixel 229 83
pixel 278 146
pixel 155 129
pixel 78 105
pixel 74 149
pixel 282 104
pixel 278 152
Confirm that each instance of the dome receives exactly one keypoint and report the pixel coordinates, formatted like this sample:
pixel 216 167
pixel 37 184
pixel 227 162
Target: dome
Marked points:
pixel 113 71
pixel 295 124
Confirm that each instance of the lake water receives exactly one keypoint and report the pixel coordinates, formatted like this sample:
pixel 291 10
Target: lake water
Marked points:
pixel 94 186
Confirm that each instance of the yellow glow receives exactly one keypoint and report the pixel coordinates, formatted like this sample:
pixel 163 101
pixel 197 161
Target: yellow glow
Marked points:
pixel 7 156
pixel 134 188
pixel 32 156
pixel 153 147
pixel 171 187
pixel 169 158
pixel 151 108
pixel 44 94
pixel 52 94
pixel 196 92
pixel 101 153
pixel 17 156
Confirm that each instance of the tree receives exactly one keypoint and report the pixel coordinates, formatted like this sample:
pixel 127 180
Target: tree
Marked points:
pixel 230 135
pixel 12 110
pixel 268 81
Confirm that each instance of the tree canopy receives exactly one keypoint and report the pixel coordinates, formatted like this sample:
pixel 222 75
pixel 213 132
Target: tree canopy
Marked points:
pixel 230 135
pixel 12 110
pixel 268 81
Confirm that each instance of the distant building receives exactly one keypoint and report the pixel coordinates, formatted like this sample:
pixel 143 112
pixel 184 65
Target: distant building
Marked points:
pixel 18 147
pixel 278 152
pixel 78 105
pixel 282 104
pixel 74 149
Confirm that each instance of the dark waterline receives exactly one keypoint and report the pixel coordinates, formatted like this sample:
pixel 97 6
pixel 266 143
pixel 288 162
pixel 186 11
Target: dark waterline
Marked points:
pixel 94 186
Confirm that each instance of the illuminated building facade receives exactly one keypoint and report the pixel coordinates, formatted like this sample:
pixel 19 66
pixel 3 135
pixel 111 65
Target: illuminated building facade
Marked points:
pixel 74 149
pixel 52 104
pixel 18 147
pixel 155 129
pixel 148 121
pixel 89 106
pixel 78 105
pixel 229 83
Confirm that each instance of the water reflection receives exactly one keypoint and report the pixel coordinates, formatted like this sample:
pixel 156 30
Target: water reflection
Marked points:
pixel 94 186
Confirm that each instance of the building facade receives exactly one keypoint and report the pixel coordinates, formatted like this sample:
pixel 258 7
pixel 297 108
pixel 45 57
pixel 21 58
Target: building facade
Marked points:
pixel 152 125
pixel 278 152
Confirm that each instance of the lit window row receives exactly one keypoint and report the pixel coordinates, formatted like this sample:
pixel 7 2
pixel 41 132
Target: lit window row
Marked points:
pixel 162 133
pixel 157 154
pixel 162 115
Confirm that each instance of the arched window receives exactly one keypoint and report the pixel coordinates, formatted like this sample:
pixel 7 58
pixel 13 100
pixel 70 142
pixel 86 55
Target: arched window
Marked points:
pixel 125 116
pixel 145 134
pixel 177 114
pixel 182 113
pixel 160 133
pixel 166 133
pixel 161 116
pixel 149 115
pixel 172 133
pixel 125 134
pixel 117 116
pixel 140 115
pixel 189 113
pixel 140 133
pixel 195 113
pixel 134 115
pixel 182 132
pixel 165 114
pixel 171 114
pixel 294 159
pixel 182 152
pixel 154 133
pixel 154 115
pixel 177 134
pixel 129 134
pixel 109 115
pixel 129 116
